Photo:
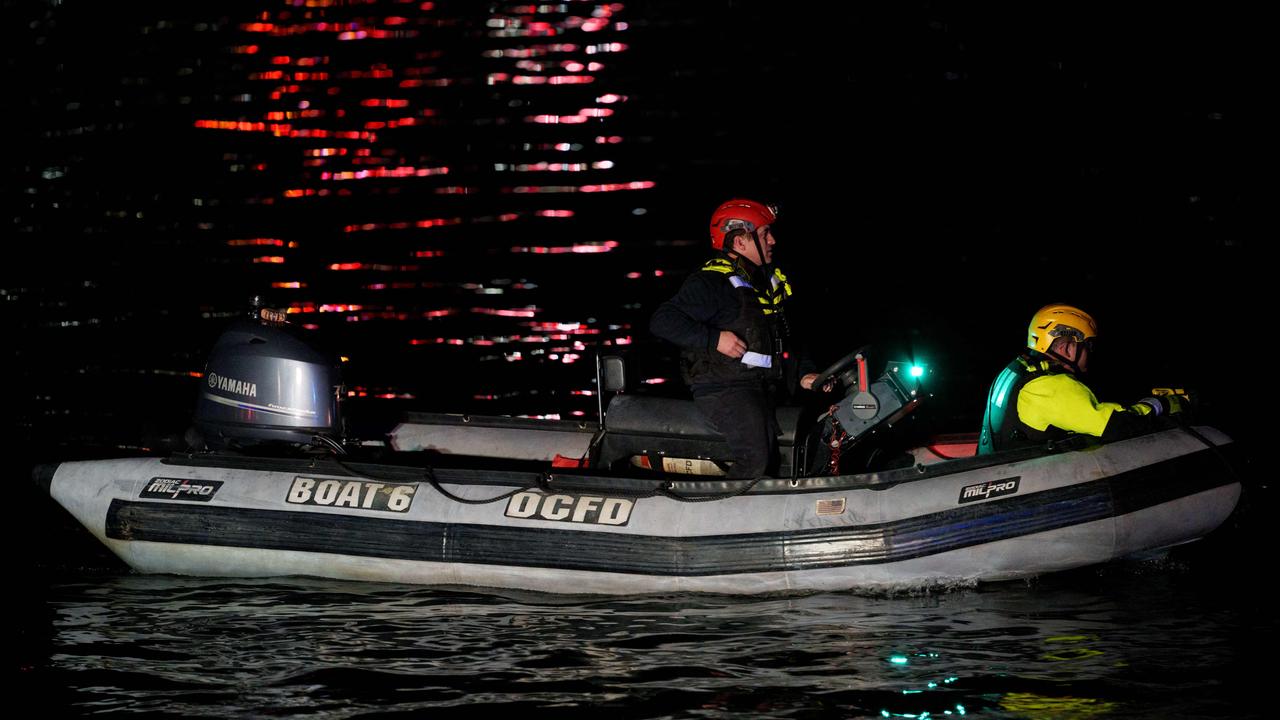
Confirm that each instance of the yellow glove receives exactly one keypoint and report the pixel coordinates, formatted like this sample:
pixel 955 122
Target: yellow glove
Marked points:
pixel 1163 401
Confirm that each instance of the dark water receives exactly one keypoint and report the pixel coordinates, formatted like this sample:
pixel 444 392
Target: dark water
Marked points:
pixel 1144 640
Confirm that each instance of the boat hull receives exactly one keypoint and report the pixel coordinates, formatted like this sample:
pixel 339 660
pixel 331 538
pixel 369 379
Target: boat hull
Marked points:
pixel 963 521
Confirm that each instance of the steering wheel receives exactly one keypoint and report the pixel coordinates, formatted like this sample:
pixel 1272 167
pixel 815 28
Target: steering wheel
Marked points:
pixel 837 369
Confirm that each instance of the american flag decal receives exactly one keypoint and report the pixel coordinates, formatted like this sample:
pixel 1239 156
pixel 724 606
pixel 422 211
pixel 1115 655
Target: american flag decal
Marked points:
pixel 831 507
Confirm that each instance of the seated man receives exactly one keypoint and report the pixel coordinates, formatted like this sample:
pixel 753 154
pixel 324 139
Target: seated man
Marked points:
pixel 1039 397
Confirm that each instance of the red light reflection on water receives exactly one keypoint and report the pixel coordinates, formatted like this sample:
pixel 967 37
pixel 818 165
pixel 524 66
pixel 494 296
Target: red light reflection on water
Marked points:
pixel 582 248
pixel 398 172
pixel 361 391
pixel 375 116
pixel 374 266
pixel 607 187
pixel 507 312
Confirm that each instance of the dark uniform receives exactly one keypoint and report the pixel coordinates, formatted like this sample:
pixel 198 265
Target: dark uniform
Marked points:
pixel 1034 401
pixel 735 394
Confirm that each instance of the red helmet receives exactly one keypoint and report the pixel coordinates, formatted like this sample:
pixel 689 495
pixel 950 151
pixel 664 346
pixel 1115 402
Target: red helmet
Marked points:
pixel 739 214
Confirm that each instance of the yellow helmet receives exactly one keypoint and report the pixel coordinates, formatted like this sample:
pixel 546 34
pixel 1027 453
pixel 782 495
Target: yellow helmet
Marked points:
pixel 1054 321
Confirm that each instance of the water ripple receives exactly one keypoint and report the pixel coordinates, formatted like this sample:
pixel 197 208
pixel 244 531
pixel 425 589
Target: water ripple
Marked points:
pixel 1132 645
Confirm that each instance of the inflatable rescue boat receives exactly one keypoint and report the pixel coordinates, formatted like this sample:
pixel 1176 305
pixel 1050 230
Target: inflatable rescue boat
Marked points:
pixel 631 504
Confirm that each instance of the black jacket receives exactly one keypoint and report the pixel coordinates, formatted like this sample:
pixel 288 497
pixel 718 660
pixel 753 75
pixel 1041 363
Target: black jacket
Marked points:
pixel 723 295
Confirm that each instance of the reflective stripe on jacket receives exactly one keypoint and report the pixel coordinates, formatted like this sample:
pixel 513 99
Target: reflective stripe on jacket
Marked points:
pixel 1032 401
pixel 759 322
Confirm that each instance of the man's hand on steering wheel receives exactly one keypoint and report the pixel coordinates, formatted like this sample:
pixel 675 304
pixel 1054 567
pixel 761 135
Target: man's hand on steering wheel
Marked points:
pixel 806 382
pixel 833 375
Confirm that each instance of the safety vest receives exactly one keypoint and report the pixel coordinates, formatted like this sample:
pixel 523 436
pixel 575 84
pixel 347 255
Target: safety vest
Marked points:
pixel 1056 406
pixel 770 299
pixel 760 323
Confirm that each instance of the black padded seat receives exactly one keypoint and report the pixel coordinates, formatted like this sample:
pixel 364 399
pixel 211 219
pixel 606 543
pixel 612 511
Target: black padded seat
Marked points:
pixel 658 416
pixel 639 424
pixel 674 417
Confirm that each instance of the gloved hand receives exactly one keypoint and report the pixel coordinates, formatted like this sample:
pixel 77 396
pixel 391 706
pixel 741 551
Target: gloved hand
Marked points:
pixel 1164 401
pixel 1186 395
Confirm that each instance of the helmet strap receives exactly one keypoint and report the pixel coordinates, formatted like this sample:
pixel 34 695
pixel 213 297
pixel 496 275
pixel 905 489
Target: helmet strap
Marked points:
pixel 766 268
pixel 1062 360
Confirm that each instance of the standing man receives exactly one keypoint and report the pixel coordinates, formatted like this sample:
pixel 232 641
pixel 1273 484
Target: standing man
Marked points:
pixel 1039 396
pixel 728 321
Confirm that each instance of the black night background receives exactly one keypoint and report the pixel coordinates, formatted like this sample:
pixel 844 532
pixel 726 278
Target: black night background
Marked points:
pixel 470 200
pixel 942 172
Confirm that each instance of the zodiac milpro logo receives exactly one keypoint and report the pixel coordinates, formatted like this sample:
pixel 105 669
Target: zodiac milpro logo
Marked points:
pixel 231 385
pixel 592 509
pixel 161 488
pixel 366 495
pixel 989 489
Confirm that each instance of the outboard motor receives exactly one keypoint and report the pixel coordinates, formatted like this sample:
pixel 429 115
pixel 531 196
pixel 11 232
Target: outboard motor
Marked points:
pixel 263 386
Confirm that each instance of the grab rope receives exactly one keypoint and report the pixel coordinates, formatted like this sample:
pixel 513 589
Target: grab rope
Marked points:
pixel 665 490
pixel 543 483
pixel 1217 451
pixel 429 473
pixel 328 443
pixel 431 478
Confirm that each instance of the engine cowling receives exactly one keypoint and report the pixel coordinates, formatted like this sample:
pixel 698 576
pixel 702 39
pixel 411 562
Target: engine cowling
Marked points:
pixel 263 385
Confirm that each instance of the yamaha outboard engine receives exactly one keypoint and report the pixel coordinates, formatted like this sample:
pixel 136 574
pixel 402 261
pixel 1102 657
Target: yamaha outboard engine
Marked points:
pixel 263 386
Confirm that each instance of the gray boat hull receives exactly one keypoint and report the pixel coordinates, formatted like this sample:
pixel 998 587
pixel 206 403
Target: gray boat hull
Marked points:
pixel 979 519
